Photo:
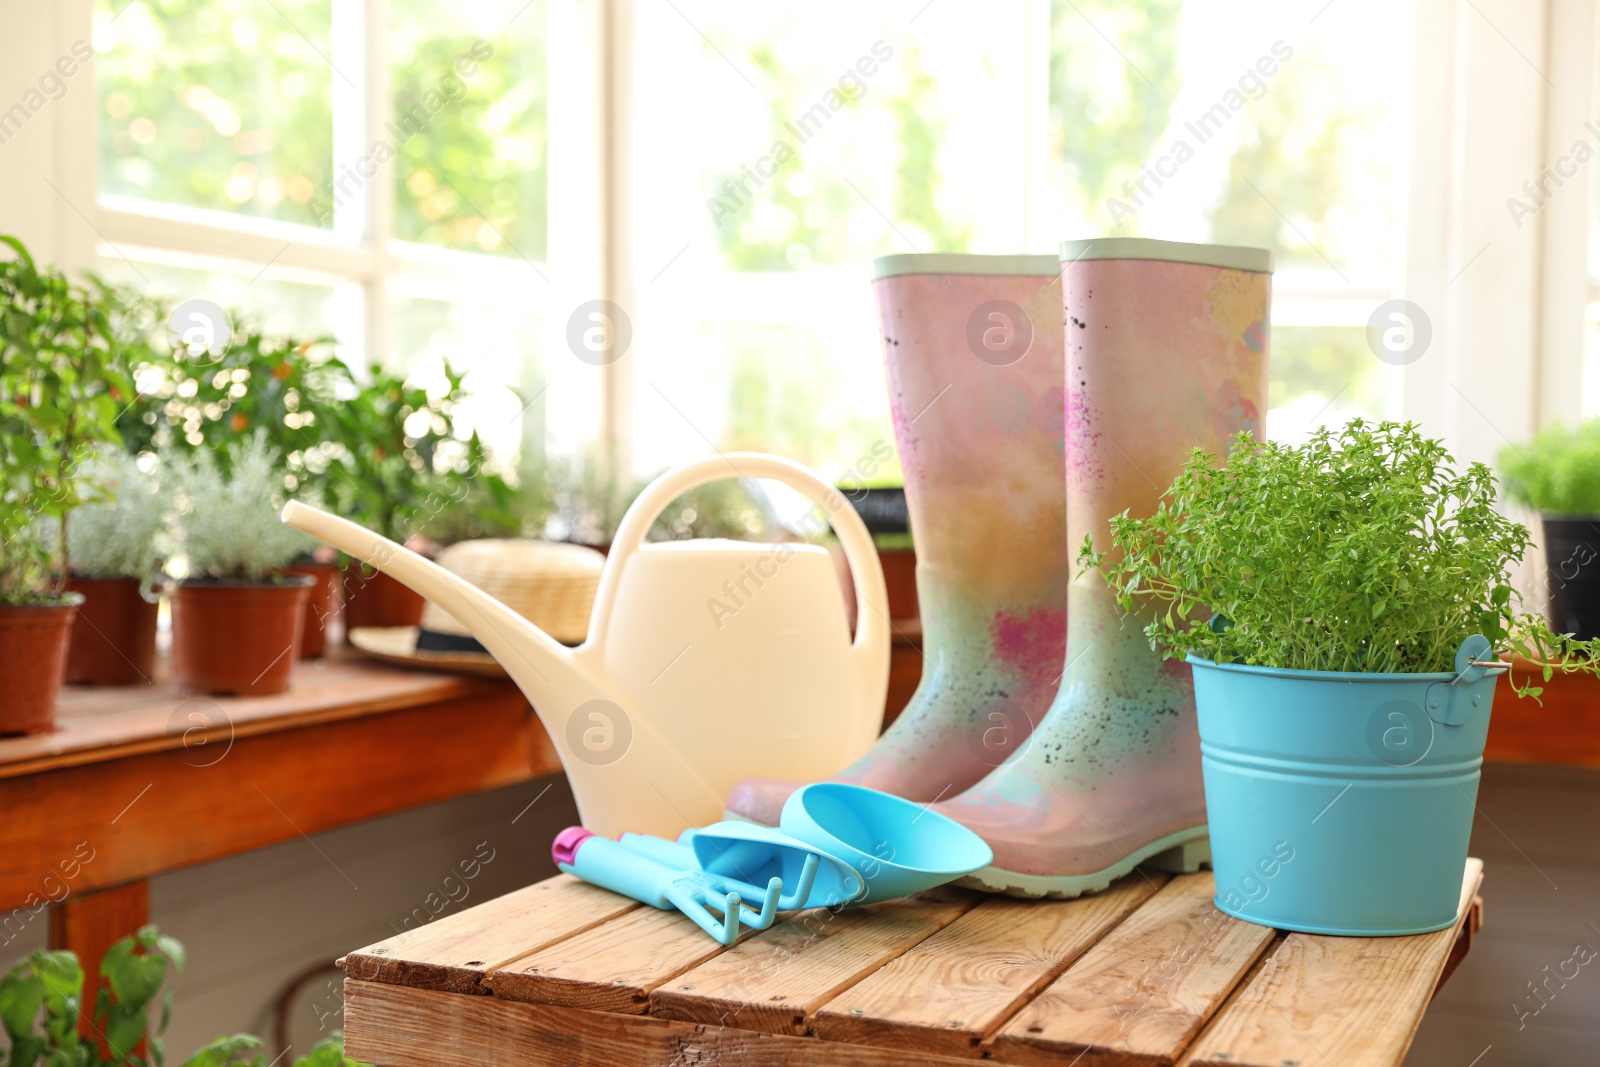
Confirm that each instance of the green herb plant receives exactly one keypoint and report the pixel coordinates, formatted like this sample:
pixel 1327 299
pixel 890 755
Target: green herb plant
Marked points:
pixel 1558 472
pixel 62 387
pixel 1361 550
pixel 227 520
pixel 41 1003
pixel 118 533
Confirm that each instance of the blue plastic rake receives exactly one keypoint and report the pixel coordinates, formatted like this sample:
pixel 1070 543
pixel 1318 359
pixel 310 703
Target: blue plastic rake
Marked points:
pixel 647 870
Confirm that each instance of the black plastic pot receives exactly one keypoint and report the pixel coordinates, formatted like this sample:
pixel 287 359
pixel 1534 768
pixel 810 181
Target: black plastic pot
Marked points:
pixel 1572 560
pixel 882 508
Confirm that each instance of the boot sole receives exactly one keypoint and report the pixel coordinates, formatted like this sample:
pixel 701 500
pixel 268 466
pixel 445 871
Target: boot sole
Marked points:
pixel 1184 852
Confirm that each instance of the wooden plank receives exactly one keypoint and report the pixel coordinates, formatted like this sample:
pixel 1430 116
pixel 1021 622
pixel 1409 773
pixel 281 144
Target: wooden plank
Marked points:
pixel 454 953
pixel 955 989
pixel 91 923
pixel 1354 1001
pixel 103 723
pixel 776 981
pixel 1141 994
pixel 612 967
pixel 402 1027
pixel 1520 731
pixel 130 818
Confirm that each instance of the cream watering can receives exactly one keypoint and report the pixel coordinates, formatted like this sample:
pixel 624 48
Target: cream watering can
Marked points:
pixel 707 661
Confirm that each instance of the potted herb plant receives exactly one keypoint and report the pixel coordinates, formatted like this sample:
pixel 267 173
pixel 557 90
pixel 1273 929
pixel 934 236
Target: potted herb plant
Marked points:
pixel 114 560
pixel 1558 475
pixel 61 385
pixel 237 621
pixel 1344 605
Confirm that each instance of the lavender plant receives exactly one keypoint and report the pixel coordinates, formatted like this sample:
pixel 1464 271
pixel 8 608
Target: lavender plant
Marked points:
pixel 117 533
pixel 228 522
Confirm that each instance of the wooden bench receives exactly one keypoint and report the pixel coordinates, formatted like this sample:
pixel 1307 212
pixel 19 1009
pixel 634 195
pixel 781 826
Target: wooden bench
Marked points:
pixel 1148 972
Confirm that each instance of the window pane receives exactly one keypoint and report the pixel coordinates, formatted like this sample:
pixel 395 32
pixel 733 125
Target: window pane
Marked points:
pixel 1168 121
pixel 1180 126
pixel 220 104
pixel 500 350
pixel 470 121
pixel 833 132
pixel 1322 376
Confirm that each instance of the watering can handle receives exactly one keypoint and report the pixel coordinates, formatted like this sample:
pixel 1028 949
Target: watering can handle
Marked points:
pixel 872 603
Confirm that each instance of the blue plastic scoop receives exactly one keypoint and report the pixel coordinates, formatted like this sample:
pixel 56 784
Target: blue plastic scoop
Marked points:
pixel 898 846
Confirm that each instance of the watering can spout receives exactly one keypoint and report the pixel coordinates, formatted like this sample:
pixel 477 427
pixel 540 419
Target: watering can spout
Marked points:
pixel 529 655
pixel 616 758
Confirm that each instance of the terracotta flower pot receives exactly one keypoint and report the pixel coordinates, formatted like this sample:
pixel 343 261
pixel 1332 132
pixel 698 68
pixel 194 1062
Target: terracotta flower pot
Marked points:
pixel 114 637
pixel 320 606
pixel 237 638
pixel 33 660
pixel 372 598
pixel 900 579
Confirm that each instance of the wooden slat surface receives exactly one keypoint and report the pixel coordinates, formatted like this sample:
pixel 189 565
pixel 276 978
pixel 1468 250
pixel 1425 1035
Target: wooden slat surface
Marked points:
pixel 1351 1001
pixel 402 1027
pixel 613 967
pixel 98 724
pixel 953 990
pixel 1143 992
pixel 1129 977
pixel 454 953
pixel 776 981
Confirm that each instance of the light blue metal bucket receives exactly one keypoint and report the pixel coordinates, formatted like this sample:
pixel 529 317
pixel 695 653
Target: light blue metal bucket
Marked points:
pixel 1341 803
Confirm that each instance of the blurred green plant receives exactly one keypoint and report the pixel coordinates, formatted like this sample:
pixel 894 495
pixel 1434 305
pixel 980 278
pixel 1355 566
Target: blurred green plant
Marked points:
pixel 1361 550
pixel 226 513
pixel 1558 472
pixel 41 1003
pixel 385 451
pixel 62 384
pixel 118 533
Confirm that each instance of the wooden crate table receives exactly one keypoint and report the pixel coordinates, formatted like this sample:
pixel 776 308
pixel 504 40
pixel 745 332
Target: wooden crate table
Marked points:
pixel 1148 972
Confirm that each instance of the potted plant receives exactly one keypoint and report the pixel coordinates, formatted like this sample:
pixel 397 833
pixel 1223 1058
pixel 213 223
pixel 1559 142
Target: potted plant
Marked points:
pixel 882 505
pixel 61 385
pixel 114 559
pixel 237 620
pixel 396 460
pixel 1344 605
pixel 1558 475
pixel 43 1003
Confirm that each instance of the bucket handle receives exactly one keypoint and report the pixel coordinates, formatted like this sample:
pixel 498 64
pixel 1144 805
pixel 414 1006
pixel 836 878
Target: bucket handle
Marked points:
pixel 1452 703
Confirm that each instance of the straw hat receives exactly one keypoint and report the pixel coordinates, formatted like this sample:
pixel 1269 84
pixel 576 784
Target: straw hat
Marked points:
pixel 550 585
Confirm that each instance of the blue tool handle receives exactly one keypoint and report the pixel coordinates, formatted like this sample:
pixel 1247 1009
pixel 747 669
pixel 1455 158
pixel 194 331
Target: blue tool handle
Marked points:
pixel 603 862
pixel 667 853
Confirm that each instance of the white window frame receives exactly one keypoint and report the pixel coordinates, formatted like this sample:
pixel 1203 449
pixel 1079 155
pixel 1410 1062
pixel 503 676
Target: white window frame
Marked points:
pixel 1498 85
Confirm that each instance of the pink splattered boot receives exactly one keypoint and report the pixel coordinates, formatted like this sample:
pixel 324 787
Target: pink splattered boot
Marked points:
pixel 973 350
pixel 1166 351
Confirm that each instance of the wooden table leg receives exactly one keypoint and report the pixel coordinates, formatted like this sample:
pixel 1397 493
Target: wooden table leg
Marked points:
pixel 1463 944
pixel 89 923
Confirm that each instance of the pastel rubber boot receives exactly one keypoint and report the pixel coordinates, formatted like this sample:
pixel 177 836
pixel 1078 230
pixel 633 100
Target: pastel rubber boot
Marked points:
pixel 973 350
pixel 1166 352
